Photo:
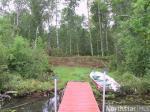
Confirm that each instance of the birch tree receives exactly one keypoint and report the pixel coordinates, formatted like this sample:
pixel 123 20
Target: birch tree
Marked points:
pixel 89 28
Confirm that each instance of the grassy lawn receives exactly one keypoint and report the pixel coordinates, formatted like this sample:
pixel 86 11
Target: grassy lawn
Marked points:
pixel 66 74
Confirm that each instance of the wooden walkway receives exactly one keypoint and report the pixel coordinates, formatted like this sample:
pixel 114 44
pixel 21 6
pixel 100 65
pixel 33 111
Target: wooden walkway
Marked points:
pixel 78 97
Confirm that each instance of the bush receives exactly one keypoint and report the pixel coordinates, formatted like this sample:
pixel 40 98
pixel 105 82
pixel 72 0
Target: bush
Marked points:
pixel 113 63
pixel 6 80
pixel 38 65
pixel 134 85
pixel 3 61
pixel 16 83
pixel 23 64
pixel 3 56
pixel 30 63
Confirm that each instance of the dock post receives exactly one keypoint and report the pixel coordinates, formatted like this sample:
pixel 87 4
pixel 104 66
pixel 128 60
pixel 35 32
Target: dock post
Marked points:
pixel 55 89
pixel 104 91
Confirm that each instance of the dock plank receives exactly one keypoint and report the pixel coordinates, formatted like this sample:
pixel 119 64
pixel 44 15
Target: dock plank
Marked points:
pixel 78 97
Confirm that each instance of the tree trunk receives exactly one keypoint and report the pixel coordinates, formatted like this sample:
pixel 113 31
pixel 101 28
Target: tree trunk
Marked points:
pixel 97 47
pixel 100 30
pixel 78 53
pixel 107 47
pixel 90 35
pixel 49 41
pixel 17 20
pixel 70 43
pixel 36 38
pixel 57 36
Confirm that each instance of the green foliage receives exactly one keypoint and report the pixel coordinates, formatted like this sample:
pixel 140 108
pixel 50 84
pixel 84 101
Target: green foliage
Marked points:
pixel 9 110
pixel 3 63
pixel 57 52
pixel 6 80
pixel 131 84
pixel 131 35
pixel 3 54
pixel 28 86
pixel 101 30
pixel 20 61
pixel 15 82
pixel 30 63
pixel 6 31
pixel 128 41
pixel 113 63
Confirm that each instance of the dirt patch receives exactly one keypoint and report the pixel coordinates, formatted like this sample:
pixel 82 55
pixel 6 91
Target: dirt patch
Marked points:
pixel 78 61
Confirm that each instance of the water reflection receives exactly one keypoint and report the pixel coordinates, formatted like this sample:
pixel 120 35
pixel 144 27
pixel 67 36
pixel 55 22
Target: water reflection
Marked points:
pixel 34 105
pixel 48 107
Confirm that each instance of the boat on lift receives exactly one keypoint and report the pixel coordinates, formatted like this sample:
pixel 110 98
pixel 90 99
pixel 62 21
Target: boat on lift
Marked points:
pixel 110 83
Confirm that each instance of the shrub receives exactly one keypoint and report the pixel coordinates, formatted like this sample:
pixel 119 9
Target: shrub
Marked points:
pixel 26 61
pixel 6 80
pixel 134 85
pixel 16 83
pixel 113 63
pixel 3 57
pixel 3 61
pixel 20 53
pixel 38 65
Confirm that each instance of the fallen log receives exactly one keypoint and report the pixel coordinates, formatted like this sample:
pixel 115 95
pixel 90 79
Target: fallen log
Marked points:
pixel 11 92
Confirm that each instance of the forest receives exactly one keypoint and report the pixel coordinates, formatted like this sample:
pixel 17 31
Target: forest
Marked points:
pixel 33 31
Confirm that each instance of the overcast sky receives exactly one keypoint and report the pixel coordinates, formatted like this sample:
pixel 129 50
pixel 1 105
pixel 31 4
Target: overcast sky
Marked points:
pixel 82 9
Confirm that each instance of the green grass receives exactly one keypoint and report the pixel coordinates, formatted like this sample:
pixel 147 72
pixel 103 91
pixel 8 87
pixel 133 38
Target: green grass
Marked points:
pixel 16 83
pixel 66 74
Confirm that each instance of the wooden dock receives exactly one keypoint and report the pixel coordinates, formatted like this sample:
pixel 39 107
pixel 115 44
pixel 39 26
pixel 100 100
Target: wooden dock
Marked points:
pixel 78 97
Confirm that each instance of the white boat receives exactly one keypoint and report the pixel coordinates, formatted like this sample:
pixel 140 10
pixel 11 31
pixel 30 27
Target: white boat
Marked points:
pixel 110 83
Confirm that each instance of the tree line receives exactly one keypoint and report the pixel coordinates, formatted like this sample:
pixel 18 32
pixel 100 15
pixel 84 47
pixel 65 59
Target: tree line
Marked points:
pixel 126 42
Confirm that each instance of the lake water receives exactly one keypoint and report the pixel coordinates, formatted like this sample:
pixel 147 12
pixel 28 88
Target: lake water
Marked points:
pixel 29 105
pixel 44 104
